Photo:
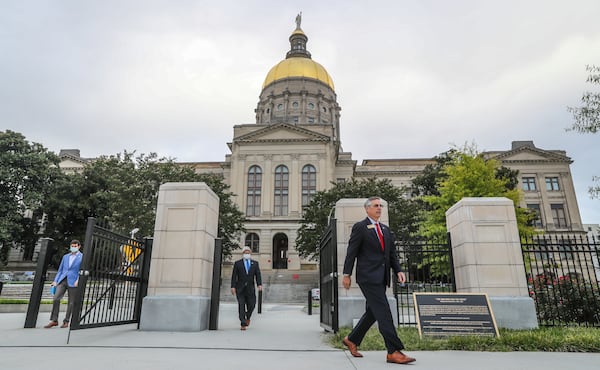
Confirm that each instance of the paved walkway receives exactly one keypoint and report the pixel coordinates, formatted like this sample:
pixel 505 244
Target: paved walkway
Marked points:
pixel 283 337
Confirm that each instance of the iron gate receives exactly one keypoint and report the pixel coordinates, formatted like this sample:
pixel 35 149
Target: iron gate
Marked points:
pixel 428 266
pixel 113 279
pixel 328 278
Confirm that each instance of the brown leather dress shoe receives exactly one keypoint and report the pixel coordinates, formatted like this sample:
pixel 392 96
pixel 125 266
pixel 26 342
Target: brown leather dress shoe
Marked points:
pixel 65 324
pixel 399 358
pixel 243 327
pixel 51 324
pixel 351 347
pixel 248 322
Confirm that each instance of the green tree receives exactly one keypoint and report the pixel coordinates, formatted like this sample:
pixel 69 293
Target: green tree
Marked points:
pixel 587 117
pixel 27 173
pixel 67 208
pixel 426 183
pixel 122 190
pixel 403 213
pixel 469 174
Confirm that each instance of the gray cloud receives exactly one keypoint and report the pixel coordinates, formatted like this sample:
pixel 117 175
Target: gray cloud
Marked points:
pixel 174 77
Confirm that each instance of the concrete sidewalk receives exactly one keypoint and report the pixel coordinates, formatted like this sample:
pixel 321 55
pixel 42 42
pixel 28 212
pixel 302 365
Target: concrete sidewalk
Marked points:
pixel 283 337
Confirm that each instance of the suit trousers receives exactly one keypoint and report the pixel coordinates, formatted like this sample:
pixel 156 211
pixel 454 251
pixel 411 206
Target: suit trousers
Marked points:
pixel 377 309
pixel 246 302
pixel 61 289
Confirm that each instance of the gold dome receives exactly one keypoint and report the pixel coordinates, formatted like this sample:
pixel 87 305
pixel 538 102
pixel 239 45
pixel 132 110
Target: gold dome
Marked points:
pixel 298 67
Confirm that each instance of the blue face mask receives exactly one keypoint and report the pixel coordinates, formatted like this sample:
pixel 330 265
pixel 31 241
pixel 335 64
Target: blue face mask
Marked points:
pixel 73 249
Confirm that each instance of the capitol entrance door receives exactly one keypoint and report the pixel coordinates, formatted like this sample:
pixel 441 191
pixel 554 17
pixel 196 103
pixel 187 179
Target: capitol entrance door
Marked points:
pixel 280 249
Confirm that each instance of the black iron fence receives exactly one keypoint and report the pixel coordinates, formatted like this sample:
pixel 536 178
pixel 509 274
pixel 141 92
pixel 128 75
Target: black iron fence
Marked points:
pixel 428 266
pixel 328 281
pixel 113 279
pixel 562 275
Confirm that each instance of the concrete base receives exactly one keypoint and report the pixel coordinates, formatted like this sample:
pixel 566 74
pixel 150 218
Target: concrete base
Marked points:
pixel 514 312
pixel 352 308
pixel 175 313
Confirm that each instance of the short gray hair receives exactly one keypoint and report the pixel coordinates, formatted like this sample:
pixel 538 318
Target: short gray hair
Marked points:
pixel 369 200
pixel 246 249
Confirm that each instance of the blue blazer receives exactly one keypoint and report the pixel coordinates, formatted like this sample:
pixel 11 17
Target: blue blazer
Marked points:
pixel 71 273
pixel 373 265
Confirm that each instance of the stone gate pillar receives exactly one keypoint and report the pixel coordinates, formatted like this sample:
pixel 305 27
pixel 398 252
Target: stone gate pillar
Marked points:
pixel 180 280
pixel 487 257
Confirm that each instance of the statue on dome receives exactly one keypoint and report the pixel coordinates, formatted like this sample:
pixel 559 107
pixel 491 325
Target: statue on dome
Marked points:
pixel 298 20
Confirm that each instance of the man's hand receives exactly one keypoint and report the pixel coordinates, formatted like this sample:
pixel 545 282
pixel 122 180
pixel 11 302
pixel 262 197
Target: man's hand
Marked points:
pixel 53 284
pixel 260 288
pixel 76 283
pixel 346 282
pixel 401 277
pixel 232 291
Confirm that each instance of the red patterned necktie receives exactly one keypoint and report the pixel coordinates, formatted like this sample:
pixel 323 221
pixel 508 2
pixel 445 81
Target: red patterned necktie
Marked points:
pixel 379 235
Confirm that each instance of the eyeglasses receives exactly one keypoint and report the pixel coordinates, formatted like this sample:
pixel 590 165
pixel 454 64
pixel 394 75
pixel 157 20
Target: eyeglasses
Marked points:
pixel 377 205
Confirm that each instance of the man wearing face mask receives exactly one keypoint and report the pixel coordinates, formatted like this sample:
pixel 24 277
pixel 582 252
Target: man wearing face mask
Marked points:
pixel 66 279
pixel 245 272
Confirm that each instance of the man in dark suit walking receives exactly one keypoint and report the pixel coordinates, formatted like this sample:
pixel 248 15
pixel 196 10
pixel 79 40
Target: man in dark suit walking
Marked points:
pixel 245 272
pixel 371 244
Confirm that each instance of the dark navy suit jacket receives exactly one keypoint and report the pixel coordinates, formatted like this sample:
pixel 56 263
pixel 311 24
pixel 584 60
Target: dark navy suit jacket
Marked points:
pixel 372 263
pixel 240 280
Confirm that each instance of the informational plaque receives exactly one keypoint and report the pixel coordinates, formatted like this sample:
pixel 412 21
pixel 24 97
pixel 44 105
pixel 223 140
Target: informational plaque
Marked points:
pixel 454 314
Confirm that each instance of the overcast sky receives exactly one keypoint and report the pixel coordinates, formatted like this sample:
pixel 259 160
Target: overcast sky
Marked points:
pixel 413 78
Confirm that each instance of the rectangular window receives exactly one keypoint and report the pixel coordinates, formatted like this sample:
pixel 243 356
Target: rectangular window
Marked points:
pixel 537 221
pixel 281 191
pixel 529 184
pixel 309 183
pixel 552 184
pixel 558 216
pixel 253 192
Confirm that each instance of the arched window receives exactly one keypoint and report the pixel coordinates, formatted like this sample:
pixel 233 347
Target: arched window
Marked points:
pixel 309 183
pixel 254 191
pixel 281 190
pixel 252 242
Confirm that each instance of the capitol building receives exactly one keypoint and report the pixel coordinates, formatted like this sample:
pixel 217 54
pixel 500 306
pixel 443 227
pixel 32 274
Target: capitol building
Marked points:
pixel 293 150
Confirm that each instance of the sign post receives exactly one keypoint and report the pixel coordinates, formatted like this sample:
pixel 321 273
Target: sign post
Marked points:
pixel 454 314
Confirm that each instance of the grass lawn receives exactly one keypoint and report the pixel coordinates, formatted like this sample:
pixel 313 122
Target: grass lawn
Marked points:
pixel 559 339
pixel 26 301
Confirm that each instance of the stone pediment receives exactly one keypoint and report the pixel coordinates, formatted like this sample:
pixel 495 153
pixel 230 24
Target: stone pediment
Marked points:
pixel 527 154
pixel 281 132
pixel 71 163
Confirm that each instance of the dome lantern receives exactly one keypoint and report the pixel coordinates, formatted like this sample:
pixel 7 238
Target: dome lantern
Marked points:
pixel 298 62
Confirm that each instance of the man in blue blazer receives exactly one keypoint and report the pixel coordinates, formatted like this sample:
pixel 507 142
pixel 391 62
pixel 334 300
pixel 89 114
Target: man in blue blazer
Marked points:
pixel 371 244
pixel 66 278
pixel 245 272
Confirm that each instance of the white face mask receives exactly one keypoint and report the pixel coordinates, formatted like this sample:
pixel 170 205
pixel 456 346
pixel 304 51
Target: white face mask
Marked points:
pixel 246 256
pixel 73 249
